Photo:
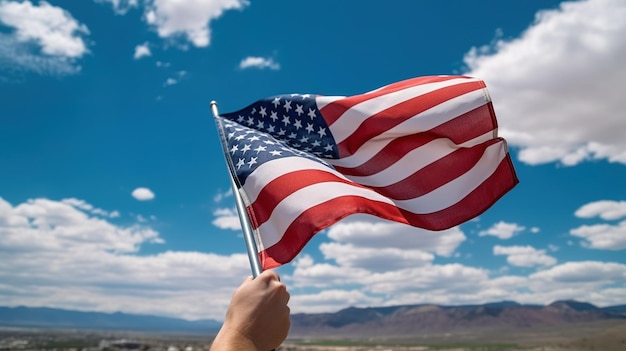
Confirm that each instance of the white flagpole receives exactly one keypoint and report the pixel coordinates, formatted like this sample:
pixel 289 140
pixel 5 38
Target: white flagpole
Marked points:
pixel 248 234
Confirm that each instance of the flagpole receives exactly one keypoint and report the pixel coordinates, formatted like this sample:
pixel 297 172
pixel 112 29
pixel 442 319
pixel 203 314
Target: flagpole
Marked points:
pixel 246 227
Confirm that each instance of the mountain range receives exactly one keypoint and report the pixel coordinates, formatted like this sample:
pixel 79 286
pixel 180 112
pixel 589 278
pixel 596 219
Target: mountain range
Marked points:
pixel 427 319
pixel 393 321
pixel 44 317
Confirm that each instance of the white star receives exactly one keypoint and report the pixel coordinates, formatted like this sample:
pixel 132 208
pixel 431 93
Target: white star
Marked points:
pixel 275 152
pixel 298 124
pixel 322 132
pixel 254 138
pixel 293 135
pixel 268 142
pixel 309 128
pixel 239 137
pixel 260 125
pixel 252 161
pixel 311 113
pixel 286 120
pixel 245 148
pixel 287 105
pixel 253 111
pixel 240 118
pixel 260 148
pixel 240 163
pixel 304 139
pixel 276 101
pixel 316 143
pixel 328 147
pixel 230 135
pixel 262 111
pixel 305 96
pixel 250 120
pixel 274 116
pixel 270 129
pixel 299 110
pixel 234 149
pixel 281 132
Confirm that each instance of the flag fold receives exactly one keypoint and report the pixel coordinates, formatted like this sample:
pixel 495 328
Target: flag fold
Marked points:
pixel 423 151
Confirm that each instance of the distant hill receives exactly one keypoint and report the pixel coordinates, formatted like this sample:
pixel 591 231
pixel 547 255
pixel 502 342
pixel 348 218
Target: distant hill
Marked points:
pixel 412 320
pixel 392 321
pixel 43 317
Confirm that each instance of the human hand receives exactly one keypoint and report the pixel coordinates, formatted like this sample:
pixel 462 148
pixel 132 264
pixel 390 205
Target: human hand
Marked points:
pixel 258 316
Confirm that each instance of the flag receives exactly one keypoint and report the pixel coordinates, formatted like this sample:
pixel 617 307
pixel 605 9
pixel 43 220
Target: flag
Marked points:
pixel 423 151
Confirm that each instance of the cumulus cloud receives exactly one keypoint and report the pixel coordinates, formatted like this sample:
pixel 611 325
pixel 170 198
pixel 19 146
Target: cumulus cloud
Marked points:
pixel 45 39
pixel 142 50
pixel 602 236
pixel 367 231
pixel 557 88
pixel 226 218
pixel 503 230
pixel 605 209
pixel 259 63
pixel 188 19
pixel 50 248
pixel 143 194
pixel 86 207
pixel 121 6
pixel 375 259
pixel 524 256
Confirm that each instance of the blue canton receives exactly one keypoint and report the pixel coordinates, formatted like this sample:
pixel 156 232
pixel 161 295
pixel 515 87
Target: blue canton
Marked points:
pixel 280 126
pixel 248 148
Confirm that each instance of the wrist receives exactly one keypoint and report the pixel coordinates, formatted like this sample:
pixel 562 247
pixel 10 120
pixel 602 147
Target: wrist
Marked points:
pixel 231 339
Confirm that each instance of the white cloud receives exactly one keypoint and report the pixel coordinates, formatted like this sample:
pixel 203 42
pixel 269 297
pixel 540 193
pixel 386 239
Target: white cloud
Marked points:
pixel 331 300
pixel 226 218
pixel 503 230
pixel 189 19
pixel 524 256
pixel 170 81
pixel 582 272
pixel 86 207
pixel 143 194
pixel 221 195
pixel 51 248
pixel 604 209
pixel 121 6
pixel 557 88
pixel 368 231
pixel 602 236
pixel 259 63
pixel 56 35
pixel 142 50
pixel 375 259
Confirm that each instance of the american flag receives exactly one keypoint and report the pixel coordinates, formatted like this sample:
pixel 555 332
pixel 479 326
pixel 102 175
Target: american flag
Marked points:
pixel 423 151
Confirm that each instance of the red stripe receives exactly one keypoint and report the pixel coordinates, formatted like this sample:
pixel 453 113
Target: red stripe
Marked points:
pixel 436 174
pixel 474 204
pixel 459 130
pixel 334 110
pixel 279 188
pixel 318 217
pixel 391 117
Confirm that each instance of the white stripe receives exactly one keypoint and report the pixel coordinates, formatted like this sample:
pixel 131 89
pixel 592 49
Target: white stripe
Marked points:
pixel 298 202
pixel 350 120
pixel 415 160
pixel 270 170
pixel 454 191
pixel 419 123
pixel 322 101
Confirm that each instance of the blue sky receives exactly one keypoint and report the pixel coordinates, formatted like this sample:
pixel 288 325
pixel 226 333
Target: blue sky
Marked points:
pixel 114 195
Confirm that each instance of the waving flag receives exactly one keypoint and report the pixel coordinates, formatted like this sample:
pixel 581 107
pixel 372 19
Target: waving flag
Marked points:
pixel 424 152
